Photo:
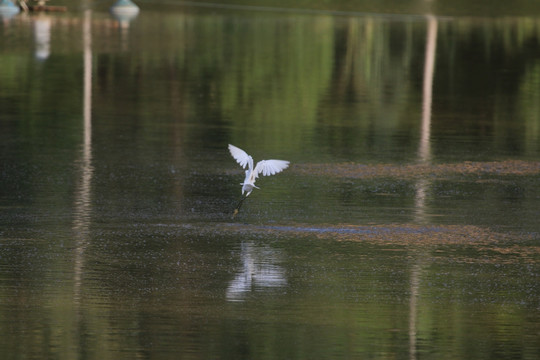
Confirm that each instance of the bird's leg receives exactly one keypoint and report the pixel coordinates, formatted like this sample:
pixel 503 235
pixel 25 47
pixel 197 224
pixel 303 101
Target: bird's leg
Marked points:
pixel 239 205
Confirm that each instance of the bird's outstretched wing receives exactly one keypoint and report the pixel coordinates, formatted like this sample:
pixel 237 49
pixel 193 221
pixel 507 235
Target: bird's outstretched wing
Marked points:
pixel 240 156
pixel 270 167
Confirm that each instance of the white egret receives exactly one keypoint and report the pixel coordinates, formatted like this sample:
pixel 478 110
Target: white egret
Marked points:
pixel 266 167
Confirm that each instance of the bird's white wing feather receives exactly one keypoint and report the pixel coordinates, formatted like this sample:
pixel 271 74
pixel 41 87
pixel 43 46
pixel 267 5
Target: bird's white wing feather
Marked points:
pixel 270 167
pixel 239 155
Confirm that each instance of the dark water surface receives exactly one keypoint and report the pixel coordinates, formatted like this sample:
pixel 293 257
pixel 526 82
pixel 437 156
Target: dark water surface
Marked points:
pixel 406 226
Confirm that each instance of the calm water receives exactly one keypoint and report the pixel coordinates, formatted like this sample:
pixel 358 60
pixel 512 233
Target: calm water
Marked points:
pixel 406 227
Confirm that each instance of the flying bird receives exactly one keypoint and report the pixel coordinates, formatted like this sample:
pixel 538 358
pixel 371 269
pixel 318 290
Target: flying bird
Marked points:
pixel 266 167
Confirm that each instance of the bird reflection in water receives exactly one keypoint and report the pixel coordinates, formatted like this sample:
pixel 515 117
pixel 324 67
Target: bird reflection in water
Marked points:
pixel 259 272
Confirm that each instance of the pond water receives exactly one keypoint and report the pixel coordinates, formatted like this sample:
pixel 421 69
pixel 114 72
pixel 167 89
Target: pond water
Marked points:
pixel 405 227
